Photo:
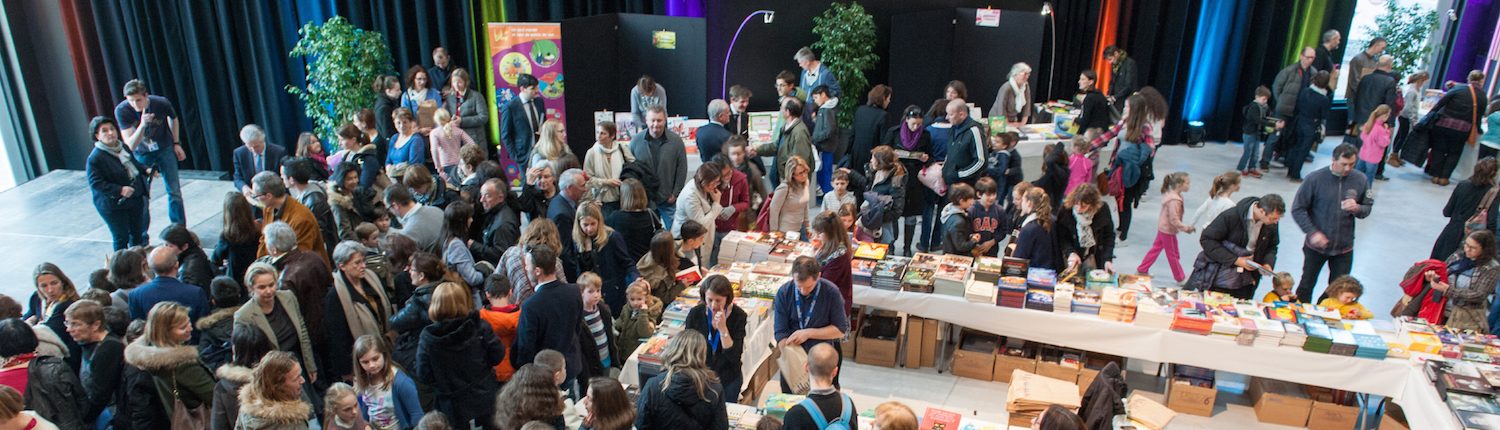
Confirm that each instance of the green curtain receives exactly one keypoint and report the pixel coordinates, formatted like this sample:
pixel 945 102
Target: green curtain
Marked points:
pixel 487 11
pixel 1307 28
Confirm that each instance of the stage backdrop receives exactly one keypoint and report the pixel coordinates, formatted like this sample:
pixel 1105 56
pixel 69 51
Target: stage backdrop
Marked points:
pixel 529 48
pixel 610 52
pixel 928 49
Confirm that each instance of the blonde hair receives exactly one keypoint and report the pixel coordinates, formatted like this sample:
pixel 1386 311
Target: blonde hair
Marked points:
pixel 548 145
pixel 685 355
pixel 1173 180
pixel 1345 284
pixel 791 171
pixel 267 379
pixel 633 195
pixel 588 280
pixel 256 269
pixel 638 288
pixel 1081 145
pixel 1224 183
pixel 541 231
pixel 364 345
pixel 590 209
pixel 895 416
pixel 1379 111
pixel 441 116
pixel 337 391
pixel 450 301
pixel 163 318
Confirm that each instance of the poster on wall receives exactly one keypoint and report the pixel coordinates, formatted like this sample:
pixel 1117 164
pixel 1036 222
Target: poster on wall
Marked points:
pixel 526 48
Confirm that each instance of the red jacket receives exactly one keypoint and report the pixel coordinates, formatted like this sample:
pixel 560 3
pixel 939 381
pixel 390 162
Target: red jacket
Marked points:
pixel 738 196
pixel 1431 307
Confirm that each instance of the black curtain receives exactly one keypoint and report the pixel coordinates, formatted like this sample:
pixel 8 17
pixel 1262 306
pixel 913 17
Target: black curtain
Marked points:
pixel 413 29
pixel 609 52
pixel 1159 35
pixel 558 10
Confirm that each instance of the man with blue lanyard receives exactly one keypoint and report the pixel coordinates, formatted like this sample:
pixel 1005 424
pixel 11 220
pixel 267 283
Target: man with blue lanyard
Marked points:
pixel 809 311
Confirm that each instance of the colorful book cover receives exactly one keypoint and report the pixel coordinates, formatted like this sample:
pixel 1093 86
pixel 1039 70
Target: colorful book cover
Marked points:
pixel 939 419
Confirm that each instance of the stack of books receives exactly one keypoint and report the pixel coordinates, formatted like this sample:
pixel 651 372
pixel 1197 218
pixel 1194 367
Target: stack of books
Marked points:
pixel 744 248
pixel 980 292
pixel 1039 299
pixel 1012 292
pixel 1370 346
pixel 1319 336
pixel 1248 331
pixel 924 260
pixel 1062 297
pixel 1100 279
pixel 1086 301
pixel 1029 394
pixel 651 354
pixel 871 251
pixel 1268 333
pixel 772 268
pixel 988 269
pixel 1295 337
pixel 1011 266
pixel 861 271
pixel 917 279
pixel 1039 277
pixel 950 279
pixel 1343 342
pixel 730 246
pixel 761 249
pixel 1192 318
pixel 762 285
pixel 1118 304
pixel 888 272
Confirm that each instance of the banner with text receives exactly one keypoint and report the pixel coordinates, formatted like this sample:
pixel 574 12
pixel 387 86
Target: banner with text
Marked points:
pixel 526 48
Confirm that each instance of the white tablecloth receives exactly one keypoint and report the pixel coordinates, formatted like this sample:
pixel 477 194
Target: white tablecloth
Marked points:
pixel 1399 379
pixel 758 342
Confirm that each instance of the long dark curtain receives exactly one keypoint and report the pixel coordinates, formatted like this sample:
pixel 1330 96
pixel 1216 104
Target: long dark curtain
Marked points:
pixel 414 28
pixel 558 10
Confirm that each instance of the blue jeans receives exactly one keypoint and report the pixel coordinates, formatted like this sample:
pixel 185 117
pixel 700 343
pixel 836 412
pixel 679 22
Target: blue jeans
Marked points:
pixel 666 211
pixel 128 227
pixel 931 238
pixel 1368 169
pixel 1270 148
pixel 1252 149
pixel 165 161
pixel 825 171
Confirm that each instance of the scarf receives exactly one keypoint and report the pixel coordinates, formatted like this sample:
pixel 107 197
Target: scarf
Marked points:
pixel 1085 230
pixel 415 95
pixel 118 150
pixel 910 137
pixel 1018 89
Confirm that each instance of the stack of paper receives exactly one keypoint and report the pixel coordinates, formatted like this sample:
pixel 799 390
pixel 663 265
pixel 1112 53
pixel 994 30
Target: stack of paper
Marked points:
pixel 729 247
pixel 1147 413
pixel 980 292
pixel 1030 394
pixel 888 272
pixel 987 269
pixel 1118 304
pixel 761 249
pixel 1062 297
pixel 744 248
pixel 1012 292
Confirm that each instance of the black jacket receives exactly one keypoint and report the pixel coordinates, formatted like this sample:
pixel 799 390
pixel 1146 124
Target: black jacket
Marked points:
pixel 966 151
pixel 142 408
pixel 1093 112
pixel 456 358
pixel 1230 227
pixel 593 365
pixel 711 138
pixel 1312 110
pixel 1462 205
pixel 1101 399
pixel 1039 246
pixel 502 229
pixel 235 258
pixel 214 333
pixel 57 322
pixel 196 269
pixel 917 195
pixel 957 231
pixel 53 391
pixel 636 228
pixel 679 406
pixel 726 362
pixel 1122 81
pixel 1066 228
pixel 1457 104
pixel 1375 89
pixel 550 320
pixel 1257 117
pixel 103 375
pixel 107 175
pixel 316 200
pixel 408 324
pixel 868 130
pixel 1054 178
pixel 612 263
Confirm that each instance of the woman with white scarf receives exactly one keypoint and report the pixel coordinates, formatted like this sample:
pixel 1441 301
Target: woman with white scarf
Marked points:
pixel 119 185
pixel 603 164
pixel 1085 230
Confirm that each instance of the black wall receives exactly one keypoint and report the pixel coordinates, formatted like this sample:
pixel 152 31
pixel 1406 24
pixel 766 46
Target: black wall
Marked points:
pixel 928 49
pixel 605 54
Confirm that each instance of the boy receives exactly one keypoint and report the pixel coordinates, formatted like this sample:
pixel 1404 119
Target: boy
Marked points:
pixel 959 237
pixel 369 235
pixel 213 344
pixel 382 219
pixel 987 217
pixel 1281 289
pixel 840 195
pixel 1003 163
pixel 554 361
pixel 1257 125
pixel 597 335
pixel 503 317
pixel 637 321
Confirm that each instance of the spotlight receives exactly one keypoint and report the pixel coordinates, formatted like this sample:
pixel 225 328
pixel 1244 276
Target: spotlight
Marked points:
pixel 1046 8
pixel 1194 135
pixel 770 16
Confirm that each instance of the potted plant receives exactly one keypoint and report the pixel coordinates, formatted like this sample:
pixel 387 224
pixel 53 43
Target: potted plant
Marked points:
pixel 846 44
pixel 342 63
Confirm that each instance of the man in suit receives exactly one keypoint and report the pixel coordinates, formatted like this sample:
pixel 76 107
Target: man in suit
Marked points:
pixel 254 157
pixel 268 189
pixel 739 117
pixel 550 317
pixel 166 288
pixel 1250 225
pixel 711 136
pixel 563 208
pixel 522 119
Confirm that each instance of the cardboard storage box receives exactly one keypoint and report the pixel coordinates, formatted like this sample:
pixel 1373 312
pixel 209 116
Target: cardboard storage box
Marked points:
pixel 913 346
pixel 1193 400
pixel 975 355
pixel 929 342
pixel 878 341
pixel 1057 371
pixel 1007 364
pixel 1085 378
pixel 1279 402
pixel 1332 416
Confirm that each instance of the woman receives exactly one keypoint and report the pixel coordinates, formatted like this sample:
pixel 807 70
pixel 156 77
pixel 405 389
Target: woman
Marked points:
pixel 354 307
pixel 54 294
pixel 686 394
pixel 606 406
pixel 832 249
pixel 660 266
pixel 360 153
pixel 446 143
pixel 249 346
pixel 118 184
pixel 1472 273
pixel 1307 122
pixel 1411 95
pixel 603 163
pixel 538 232
pixel 635 221
pixel 346 199
pixel 1057 417
pixel 103 356
pixel 278 315
pixel 954 90
pixel 418 89
pixel 719 320
pixel 127 270
pixel 1468 198
pixel 646 93
pixel 238 239
pixel 1085 231
pixel 408 149
pixel 456 251
pixel 1490 140
pixel 602 250
pixel 468 107
pixel 273 398
pixel 181 378
pixel 457 356
pixel 1036 242
pixel 551 147
pixel 699 201
pixel 1132 160
pixel 792 199
pixel 910 143
pixel 531 395
pixel 426 271
pixel 1094 111
pixel 310 147
pixel 538 191
pixel 387 99
pixel 13 413
pixel 397 249
pixel 1454 121
pixel 364 119
pixel 888 180
pixel 1013 101
pixel 387 397
pixel 50 386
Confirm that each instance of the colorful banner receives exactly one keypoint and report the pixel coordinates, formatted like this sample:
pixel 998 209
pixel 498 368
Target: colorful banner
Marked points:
pixel 526 48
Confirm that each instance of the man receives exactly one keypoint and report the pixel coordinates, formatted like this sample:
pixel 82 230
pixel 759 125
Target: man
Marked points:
pixel 550 318
pixel 1375 89
pixel 711 136
pixel 830 404
pixel 792 139
pixel 521 123
pixel 1361 65
pixel 786 87
pixel 150 127
pixel 253 157
pixel 1325 208
pixel 736 151
pixel 827 136
pixel 809 311
pixel 422 223
pixel 502 225
pixel 871 124
pixel 302 273
pixel 441 69
pixel 564 207
pixel 815 74
pixel 965 161
pixel 1284 90
pixel 166 288
pixel 1251 225
pixel 665 156
pixel 1122 78
pixel 297 172
pixel 272 195
pixel 739 115
pixel 1325 60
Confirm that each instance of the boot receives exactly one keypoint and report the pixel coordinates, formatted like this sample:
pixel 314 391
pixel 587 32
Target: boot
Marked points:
pixel 911 233
pixel 1394 161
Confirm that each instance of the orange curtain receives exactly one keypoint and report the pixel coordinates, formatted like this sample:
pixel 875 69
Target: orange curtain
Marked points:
pixel 1109 19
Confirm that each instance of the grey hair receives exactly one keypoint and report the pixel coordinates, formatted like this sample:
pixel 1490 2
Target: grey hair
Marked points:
pixel 280 237
pixel 251 133
pixel 267 182
pixel 1017 69
pixel 347 250
pixel 717 107
pixel 569 178
pixel 1386 61
pixel 1329 35
pixel 805 54
pixel 260 268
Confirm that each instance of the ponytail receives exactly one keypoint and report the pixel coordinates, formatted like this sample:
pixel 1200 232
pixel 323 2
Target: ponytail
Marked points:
pixel 1041 205
pixel 1222 184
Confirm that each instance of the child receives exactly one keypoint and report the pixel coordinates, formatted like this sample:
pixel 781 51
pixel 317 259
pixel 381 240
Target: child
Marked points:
pixel 997 161
pixel 987 217
pixel 434 421
pixel 840 195
pixel 637 321
pixel 848 215
pixel 1256 122
pixel 1054 178
pixel 387 397
pixel 1014 216
pixel 382 219
pixel 310 147
pixel 216 328
pixel 1168 225
pixel 1080 167
pixel 959 237
pixel 341 409
pixel 1282 289
pixel 1218 201
pixel 503 317
pixel 600 324
pixel 1376 136
pixel 369 235
pixel 555 360
pixel 1343 295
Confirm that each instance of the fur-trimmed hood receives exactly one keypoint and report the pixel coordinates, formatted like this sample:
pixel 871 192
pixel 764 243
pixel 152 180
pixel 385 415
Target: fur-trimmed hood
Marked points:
pixel 239 375
pixel 257 413
pixel 215 317
pixel 155 359
pixel 342 200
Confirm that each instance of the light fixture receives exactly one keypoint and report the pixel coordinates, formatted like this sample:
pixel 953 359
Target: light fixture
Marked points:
pixel 1052 61
pixel 724 80
pixel 1046 8
pixel 1195 134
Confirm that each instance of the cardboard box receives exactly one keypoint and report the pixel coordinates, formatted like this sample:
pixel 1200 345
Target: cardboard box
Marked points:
pixel 1057 371
pixel 876 352
pixel 974 364
pixel 1193 400
pixel 929 343
pixel 1279 402
pixel 1085 378
pixel 1332 416
pixel 1394 418
pixel 1007 364
pixel 913 347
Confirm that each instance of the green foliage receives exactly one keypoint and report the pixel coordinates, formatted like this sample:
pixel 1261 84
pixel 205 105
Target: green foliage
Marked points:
pixel 846 44
pixel 1406 30
pixel 342 64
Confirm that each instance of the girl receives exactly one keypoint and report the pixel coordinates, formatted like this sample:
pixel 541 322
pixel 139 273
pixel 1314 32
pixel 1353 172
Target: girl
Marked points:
pixel 387 397
pixel 1219 199
pixel 273 398
pixel 1376 136
pixel 160 351
pixel 1168 225
pixel 1080 167
pixel 791 202
pixel 248 345
pixel 457 356
pixel 638 321
pixel 1036 241
pixel 849 217
pixel 240 236
pixel 687 393
pixel 531 395
pixel 1343 294
pixel 447 142
pixel 407 147
pixel 832 249
pixel 601 250
pixel 598 349
pixel 456 253
pixel 341 409
pixel 606 406
pixel 887 179
pixel 310 147
pixel 659 267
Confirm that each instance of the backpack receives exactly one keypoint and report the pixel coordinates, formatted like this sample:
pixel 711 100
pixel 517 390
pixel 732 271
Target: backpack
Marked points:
pixel 821 422
pixel 763 219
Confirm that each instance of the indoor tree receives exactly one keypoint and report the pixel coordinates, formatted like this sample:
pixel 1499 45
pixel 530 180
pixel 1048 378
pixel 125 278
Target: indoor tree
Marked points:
pixel 342 62
pixel 1407 30
pixel 846 44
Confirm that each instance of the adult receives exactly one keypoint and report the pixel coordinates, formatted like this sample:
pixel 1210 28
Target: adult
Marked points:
pixel 1325 208
pixel 1325 60
pixel 50 386
pixel 53 295
pixel 305 275
pixel 605 161
pixel 298 173
pixel 1378 87
pixel 272 194
pixel 739 115
pixel 531 395
pixel 711 136
pixel 165 287
pixel 911 143
pixel 824 402
pixel 118 185
pixel 552 147
pixel 255 156
pixel 827 136
pixel 522 278
pixel 814 74
pixel 422 223
pixel 238 238
pixel 965 161
pixel 426 271
pixel 663 155
pixel 249 345
pixel 886 178
pixel 1085 230
pixel 470 110
pixel 606 406
pixel 645 94
pixel 1013 100
pixel 551 316
pixel 457 357
pixel 635 221
pixel 792 202
pixel 13 413
pixel 871 123
pixel 687 394
pixel 734 198
pixel 181 379
pixel 1094 111
pixel 360 154
pixel 1246 234
pixel 500 222
pixel 1308 122
pixel 1490 140
pixel 1470 197
pixel 955 89
pixel 1036 241
pixel 1457 122
pixel 563 208
pixel 194 263
pixel 455 246
pixel 427 190
pixel 700 202
pixel 364 120
pixel 387 99
pixel 442 67
pixel 273 397
pixel 309 146
pixel 521 121
pixel 355 305
pixel 786 86
pixel 1361 65
pixel 792 139
pixel 601 250
pixel 407 148
pixel 1122 76
pixel 832 249
pixel 720 321
pixel 419 89
pixel 151 128
pixel 1411 95
pixel 1472 274
pixel 278 315
pixel 103 357
pixel 659 267
pixel 809 311
pixel 1285 88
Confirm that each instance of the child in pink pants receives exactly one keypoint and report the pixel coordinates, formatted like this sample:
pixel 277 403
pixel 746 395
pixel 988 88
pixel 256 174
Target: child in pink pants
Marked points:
pixel 1168 225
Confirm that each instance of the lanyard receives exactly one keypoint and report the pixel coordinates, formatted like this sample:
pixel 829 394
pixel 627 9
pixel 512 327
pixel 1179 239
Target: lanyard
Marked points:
pixel 713 335
pixel 803 317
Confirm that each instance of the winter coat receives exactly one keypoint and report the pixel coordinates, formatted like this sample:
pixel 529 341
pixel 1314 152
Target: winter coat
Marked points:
pixel 195 269
pixel 501 230
pixel 303 222
pixel 214 332
pixel 965 162
pixel 264 414
pixel 173 366
pixel 103 374
pixel 1317 208
pixel 827 136
pixel 1065 227
pixel 957 231
pixel 54 392
pixel 1038 245
pixel 679 406
pixel 308 277
pixel 503 322
pixel 697 205
pixel 1467 308
pixel 868 130
pixel 664 284
pixel 917 195
pixel 550 320
pixel 456 358
pixel 791 140
pixel 57 323
pixel 315 198
pixel 1094 112
pixel 1462 205
pixel 250 314
pixel 602 165
pixel 1288 84
pixel 612 263
pixel 141 408
pixel 1231 226
pixel 666 157
pixel 636 325
pixel 1377 88
pixel 226 410
pixel 593 364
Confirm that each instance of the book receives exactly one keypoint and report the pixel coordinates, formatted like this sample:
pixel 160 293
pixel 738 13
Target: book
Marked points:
pixel 690 276
pixel 1465 384
pixel 938 419
pixel 1147 412
pixel 1472 403
pixel 871 251
pixel 1478 420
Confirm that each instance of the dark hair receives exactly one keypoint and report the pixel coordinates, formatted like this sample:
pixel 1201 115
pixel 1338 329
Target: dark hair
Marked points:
pixel 692 230
pixel 1092 75
pixel 939 109
pixel 663 250
pixel 878 94
pixel 836 238
pixel 497 284
pixel 249 345
pixel 1056 417
pixel 1486 239
pixel 709 172
pixel 1484 172
pixel 411 76
pixel 226 292
pixel 1345 150
pixel 792 106
pixel 349 131
pixel 429 265
pixel 367 116
pixel 530 395
pixel 397 194
pixel 911 111
pixel 300 169
pixel 820 89
pixel 9 307
pixel 958 88
pixel 177 235
pixel 986 185
pixel 611 407
pixel 525 80
pixel 1320 79
pixel 125 266
pixel 647 85
pixel 99 121
pixel 456 218
pixel 1262 91
pixel 99 279
pixel 16 338
pixel 116 320
pixel 787 76
pixel 609 127
pixel 717 284
pixel 959 192
pixel 543 257
pixel 739 92
pixel 1273 204
pixel 805 267
pixel 1111 50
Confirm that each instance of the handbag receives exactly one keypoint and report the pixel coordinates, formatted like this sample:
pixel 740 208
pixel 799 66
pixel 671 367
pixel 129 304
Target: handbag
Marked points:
pixel 932 177
pixel 1209 274
pixel 1478 220
pixel 183 417
pixel 763 219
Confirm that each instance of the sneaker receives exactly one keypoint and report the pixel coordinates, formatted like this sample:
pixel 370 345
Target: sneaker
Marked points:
pixel 1381 178
pixel 1253 173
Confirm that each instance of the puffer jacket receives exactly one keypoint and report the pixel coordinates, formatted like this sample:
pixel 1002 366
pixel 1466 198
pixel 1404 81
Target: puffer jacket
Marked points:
pixel 679 406
pixel 140 407
pixel 408 324
pixel 169 366
pixel 263 414
pixel 55 393
pixel 457 359
pixel 214 331
pixel 226 410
